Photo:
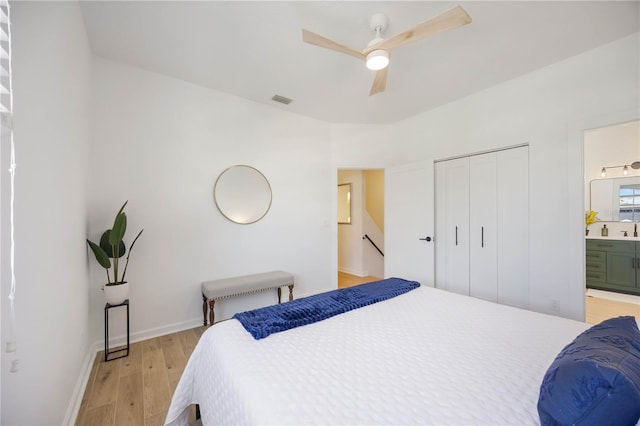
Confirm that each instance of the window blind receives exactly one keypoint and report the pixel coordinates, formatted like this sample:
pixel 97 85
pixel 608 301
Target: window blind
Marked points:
pixel 5 74
pixel 6 137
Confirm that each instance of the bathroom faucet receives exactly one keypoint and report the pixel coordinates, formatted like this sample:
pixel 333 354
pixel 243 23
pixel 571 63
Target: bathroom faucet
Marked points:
pixel 635 229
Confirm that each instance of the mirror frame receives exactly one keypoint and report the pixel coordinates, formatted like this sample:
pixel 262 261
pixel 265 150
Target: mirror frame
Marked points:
pixel 342 206
pixel 224 185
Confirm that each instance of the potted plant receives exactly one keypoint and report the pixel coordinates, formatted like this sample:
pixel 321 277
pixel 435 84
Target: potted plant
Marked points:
pixel 590 217
pixel 108 254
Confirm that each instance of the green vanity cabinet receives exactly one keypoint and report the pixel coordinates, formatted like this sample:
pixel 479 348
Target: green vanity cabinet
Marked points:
pixel 596 266
pixel 613 265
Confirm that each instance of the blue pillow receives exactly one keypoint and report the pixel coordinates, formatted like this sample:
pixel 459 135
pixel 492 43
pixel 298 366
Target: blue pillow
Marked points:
pixel 595 380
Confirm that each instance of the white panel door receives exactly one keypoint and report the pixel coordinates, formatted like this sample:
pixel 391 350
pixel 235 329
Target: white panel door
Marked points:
pixel 409 217
pixel 440 241
pixel 456 231
pixel 513 219
pixel 483 227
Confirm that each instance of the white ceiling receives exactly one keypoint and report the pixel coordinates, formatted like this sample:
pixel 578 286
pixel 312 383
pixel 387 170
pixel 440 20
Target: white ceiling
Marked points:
pixel 254 49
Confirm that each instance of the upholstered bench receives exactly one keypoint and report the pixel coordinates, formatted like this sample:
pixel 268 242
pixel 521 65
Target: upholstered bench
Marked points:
pixel 235 286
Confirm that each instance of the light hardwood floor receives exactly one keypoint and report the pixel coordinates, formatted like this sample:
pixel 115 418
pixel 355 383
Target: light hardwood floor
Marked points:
pixel 598 310
pixel 348 280
pixel 136 390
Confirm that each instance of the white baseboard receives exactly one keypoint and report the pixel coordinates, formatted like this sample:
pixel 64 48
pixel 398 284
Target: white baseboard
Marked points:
pixel 71 415
pixel 618 297
pixel 353 272
pixel 301 295
pixel 150 333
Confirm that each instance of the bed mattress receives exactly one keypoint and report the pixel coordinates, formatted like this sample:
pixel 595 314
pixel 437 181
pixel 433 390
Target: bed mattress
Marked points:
pixel 425 357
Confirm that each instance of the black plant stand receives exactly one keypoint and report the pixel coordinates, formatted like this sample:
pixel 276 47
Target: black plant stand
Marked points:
pixel 123 351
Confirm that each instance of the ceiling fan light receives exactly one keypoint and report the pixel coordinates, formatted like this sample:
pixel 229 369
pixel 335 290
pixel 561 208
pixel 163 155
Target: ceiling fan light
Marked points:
pixel 377 60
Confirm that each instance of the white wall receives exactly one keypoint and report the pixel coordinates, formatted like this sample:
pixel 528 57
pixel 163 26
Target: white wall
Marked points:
pixel 51 68
pixel 160 143
pixel 540 108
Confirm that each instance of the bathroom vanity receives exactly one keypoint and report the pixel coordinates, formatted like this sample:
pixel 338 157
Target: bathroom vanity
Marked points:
pixel 613 264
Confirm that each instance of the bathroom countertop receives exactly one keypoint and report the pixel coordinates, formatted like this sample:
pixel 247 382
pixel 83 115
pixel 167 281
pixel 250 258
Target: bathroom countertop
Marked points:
pixel 615 237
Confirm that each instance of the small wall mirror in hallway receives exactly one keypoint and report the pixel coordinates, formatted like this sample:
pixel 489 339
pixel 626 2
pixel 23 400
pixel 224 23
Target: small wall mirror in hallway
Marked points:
pixel 344 204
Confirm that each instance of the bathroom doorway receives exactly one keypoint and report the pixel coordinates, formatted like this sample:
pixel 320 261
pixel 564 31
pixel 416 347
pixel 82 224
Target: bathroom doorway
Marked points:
pixel 611 170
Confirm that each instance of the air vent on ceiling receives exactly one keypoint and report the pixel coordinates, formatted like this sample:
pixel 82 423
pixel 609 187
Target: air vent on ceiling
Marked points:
pixel 281 99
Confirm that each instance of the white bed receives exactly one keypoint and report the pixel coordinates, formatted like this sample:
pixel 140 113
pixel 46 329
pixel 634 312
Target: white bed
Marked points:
pixel 425 357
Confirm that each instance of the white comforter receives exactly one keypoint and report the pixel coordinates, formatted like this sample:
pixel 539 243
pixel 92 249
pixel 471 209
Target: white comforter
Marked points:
pixel 425 357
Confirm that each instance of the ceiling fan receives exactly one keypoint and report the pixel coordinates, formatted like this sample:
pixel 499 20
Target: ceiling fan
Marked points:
pixel 376 54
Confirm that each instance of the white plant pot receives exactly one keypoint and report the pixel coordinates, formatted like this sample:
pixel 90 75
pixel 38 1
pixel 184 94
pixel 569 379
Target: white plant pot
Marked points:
pixel 116 294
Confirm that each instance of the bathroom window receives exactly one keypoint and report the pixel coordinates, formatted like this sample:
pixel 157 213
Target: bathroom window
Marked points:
pixel 630 203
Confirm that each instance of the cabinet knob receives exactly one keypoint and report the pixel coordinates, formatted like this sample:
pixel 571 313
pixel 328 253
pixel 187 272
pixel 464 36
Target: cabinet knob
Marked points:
pixel 427 239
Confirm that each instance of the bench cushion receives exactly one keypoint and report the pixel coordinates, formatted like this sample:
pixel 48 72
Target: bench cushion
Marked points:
pixel 228 287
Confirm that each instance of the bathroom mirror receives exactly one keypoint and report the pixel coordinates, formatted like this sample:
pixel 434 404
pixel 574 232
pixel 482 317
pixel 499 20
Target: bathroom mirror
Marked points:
pixel 616 199
pixel 242 194
pixel 344 203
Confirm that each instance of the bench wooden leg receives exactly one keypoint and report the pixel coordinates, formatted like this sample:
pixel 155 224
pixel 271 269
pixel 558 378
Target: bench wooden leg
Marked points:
pixel 204 309
pixel 211 314
pixel 279 295
pixel 290 292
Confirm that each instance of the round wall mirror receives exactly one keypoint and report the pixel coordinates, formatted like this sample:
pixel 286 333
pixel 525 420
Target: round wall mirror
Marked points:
pixel 242 194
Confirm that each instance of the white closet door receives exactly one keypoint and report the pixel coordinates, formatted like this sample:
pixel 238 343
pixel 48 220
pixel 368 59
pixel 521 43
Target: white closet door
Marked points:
pixel 439 240
pixel 456 232
pixel 483 227
pixel 513 217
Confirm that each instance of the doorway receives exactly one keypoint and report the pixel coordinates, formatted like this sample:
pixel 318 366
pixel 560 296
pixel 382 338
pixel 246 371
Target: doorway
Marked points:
pixel 609 153
pixel 360 226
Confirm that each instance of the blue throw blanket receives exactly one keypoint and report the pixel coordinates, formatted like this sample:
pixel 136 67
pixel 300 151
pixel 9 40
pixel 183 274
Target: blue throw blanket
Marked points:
pixel 273 319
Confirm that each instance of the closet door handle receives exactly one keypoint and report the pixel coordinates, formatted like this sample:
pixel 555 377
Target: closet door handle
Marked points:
pixel 482 236
pixel 456 235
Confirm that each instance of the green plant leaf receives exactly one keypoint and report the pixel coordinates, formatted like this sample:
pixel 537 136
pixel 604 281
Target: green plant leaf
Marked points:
pixel 130 248
pixel 122 208
pixel 118 230
pixel 100 254
pixel 104 244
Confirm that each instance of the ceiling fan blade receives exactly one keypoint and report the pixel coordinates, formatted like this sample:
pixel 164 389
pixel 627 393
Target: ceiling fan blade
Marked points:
pixel 380 81
pixel 318 40
pixel 447 20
